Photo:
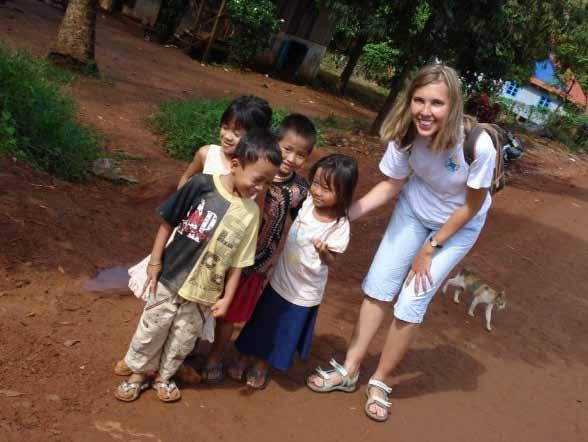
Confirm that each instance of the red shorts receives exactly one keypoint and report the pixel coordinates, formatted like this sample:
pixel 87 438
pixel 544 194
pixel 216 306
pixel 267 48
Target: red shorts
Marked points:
pixel 246 296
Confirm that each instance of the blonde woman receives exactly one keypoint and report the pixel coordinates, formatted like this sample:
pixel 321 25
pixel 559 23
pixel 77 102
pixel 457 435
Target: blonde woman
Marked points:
pixel 440 212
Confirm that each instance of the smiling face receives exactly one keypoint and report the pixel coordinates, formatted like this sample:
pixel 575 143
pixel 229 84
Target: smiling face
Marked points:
pixel 295 151
pixel 322 192
pixel 229 136
pixel 429 108
pixel 252 178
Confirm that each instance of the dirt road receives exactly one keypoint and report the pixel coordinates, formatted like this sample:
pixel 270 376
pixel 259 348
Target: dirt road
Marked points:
pixel 525 381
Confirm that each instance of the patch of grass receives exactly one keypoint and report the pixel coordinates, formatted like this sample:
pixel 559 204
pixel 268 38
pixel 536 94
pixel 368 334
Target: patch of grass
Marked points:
pixel 335 122
pixel 37 119
pixel 364 92
pixel 189 124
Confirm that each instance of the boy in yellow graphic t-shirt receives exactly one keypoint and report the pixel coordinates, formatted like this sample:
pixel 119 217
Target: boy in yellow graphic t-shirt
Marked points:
pixel 194 277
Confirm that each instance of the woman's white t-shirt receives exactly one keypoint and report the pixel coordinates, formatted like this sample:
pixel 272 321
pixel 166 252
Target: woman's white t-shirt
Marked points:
pixel 439 180
pixel 300 277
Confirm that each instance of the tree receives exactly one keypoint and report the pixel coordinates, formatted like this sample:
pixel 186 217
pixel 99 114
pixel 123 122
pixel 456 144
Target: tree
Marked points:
pixel 485 40
pixel 74 47
pixel 570 45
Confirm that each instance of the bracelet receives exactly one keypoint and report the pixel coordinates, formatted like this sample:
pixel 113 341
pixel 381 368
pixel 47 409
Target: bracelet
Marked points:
pixel 154 265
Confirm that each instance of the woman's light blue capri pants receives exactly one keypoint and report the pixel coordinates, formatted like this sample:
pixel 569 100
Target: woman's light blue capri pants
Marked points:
pixel 403 238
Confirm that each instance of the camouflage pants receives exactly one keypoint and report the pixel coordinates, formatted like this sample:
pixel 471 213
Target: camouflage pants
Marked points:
pixel 167 332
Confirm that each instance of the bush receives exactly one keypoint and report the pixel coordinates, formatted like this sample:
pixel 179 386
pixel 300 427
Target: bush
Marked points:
pixel 37 121
pixel 481 107
pixel 377 62
pixel 186 125
pixel 255 23
pixel 570 128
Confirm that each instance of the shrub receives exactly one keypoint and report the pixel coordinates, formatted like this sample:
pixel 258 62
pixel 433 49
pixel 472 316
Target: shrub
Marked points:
pixel 255 23
pixel 571 128
pixel 37 120
pixel 480 106
pixel 377 61
pixel 188 124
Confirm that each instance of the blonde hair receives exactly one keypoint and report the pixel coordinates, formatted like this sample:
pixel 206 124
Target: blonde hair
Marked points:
pixel 398 125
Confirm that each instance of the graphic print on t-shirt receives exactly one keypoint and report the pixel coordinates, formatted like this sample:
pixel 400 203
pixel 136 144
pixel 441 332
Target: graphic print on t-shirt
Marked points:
pixel 197 225
pixel 452 163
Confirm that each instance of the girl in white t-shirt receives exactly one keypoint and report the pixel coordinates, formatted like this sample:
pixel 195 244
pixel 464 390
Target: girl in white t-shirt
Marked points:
pixel 284 318
pixel 436 221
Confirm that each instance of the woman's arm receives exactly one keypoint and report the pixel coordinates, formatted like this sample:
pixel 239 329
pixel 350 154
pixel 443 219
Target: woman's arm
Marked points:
pixel 196 166
pixel 421 264
pixel 380 194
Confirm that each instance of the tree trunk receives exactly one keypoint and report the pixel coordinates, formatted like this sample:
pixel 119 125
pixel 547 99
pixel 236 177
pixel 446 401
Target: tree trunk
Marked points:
pixel 75 41
pixel 395 85
pixel 213 32
pixel 354 55
pixel 421 49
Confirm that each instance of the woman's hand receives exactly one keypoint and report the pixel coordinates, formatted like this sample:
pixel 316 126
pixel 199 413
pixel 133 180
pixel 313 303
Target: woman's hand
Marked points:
pixel 420 269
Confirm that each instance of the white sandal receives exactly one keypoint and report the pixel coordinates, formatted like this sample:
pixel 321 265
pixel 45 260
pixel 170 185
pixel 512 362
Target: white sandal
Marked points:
pixel 347 384
pixel 383 403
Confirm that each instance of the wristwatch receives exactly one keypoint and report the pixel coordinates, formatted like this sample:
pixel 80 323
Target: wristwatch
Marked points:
pixel 434 243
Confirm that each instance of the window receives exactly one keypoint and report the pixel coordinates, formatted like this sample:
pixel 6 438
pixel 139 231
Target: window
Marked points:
pixel 512 89
pixel 544 101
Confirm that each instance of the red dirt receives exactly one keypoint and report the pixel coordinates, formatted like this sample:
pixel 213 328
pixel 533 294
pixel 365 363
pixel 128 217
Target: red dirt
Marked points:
pixel 527 380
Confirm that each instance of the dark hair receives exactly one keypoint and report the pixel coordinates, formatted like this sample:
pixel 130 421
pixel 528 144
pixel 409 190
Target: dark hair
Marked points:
pixel 248 112
pixel 340 173
pixel 258 144
pixel 299 124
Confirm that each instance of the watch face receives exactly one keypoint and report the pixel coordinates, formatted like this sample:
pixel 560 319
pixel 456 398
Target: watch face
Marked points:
pixel 434 243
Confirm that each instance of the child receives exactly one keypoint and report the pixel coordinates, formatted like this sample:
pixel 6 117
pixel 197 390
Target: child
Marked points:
pixel 297 136
pixel 243 114
pixel 284 318
pixel 196 275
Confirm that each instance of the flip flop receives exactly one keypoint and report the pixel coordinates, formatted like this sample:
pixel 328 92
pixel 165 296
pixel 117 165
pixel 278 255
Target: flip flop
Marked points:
pixel 254 375
pixel 237 370
pixel 130 391
pixel 167 391
pixel 220 368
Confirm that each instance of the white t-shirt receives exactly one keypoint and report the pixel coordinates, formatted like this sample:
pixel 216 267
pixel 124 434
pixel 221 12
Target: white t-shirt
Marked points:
pixel 437 187
pixel 213 165
pixel 300 277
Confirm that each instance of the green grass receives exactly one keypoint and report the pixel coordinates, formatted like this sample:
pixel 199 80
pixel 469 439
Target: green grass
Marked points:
pixel 189 124
pixel 37 119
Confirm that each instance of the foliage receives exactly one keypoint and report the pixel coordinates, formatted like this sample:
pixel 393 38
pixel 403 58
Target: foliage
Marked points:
pixel 377 61
pixel 37 121
pixel 188 124
pixel 570 43
pixel 480 106
pixel 571 128
pixel 255 23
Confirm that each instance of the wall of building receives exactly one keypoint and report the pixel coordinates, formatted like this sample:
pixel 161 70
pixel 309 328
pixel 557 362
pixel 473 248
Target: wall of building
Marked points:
pixel 528 98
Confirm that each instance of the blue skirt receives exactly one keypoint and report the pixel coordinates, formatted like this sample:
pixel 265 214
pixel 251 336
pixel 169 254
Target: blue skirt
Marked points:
pixel 277 329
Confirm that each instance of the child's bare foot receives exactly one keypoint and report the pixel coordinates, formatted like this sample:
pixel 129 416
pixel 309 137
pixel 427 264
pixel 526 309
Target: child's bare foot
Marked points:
pixel 122 369
pixel 130 389
pixel 167 391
